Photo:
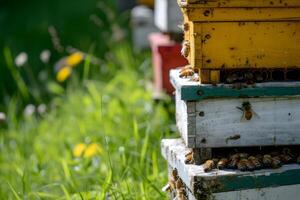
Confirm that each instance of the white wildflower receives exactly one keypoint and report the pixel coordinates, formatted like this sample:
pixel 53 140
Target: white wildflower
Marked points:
pixel 41 109
pixel 45 56
pixel 2 117
pixel 29 110
pixel 21 59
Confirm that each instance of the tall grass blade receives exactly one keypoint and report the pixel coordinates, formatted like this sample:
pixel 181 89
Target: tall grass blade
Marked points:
pixel 15 73
pixel 106 185
pixel 14 192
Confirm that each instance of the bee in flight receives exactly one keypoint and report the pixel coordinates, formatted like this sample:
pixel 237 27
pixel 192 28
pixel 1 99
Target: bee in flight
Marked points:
pixel 248 113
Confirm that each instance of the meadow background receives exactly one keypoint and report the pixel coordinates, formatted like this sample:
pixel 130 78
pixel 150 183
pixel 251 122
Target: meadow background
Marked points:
pixel 95 135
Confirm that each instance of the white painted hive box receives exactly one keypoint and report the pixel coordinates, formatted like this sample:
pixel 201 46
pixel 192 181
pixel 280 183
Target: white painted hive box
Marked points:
pixel 168 16
pixel 209 116
pixel 264 184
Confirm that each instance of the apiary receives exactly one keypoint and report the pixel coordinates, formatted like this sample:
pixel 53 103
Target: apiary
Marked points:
pixel 241 35
pixel 168 16
pixel 210 116
pixel 189 181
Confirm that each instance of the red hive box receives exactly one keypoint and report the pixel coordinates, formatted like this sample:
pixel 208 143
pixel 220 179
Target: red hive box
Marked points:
pixel 165 56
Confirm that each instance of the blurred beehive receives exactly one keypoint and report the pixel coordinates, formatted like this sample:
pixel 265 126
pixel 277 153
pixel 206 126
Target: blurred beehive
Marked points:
pixel 168 16
pixel 221 36
pixel 165 56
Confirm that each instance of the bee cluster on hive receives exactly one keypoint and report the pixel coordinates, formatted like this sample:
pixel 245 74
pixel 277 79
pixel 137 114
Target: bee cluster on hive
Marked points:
pixel 248 161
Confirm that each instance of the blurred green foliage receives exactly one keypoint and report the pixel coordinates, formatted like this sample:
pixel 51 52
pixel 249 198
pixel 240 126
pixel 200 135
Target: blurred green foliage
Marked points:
pixel 80 24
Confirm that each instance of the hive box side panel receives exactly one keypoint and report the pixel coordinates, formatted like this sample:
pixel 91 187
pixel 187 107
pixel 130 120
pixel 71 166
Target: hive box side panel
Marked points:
pixel 186 120
pixel 247 45
pixel 275 121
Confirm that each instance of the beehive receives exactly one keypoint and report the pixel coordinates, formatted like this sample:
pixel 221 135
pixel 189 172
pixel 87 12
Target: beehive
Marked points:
pixel 225 35
pixel 168 16
pixel 276 184
pixel 209 116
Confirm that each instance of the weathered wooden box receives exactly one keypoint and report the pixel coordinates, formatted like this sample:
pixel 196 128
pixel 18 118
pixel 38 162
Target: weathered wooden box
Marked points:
pixel 209 116
pixel 168 16
pixel 241 34
pixel 271 184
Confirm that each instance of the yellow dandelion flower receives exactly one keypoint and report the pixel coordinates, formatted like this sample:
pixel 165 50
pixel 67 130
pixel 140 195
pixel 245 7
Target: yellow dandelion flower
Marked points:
pixel 79 149
pixel 63 74
pixel 92 150
pixel 74 59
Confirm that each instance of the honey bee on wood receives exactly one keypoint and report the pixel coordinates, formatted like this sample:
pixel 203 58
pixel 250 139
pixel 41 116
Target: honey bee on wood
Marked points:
pixel 184 26
pixel 173 178
pixel 189 159
pixel 242 164
pixel 208 165
pixel 250 165
pixel 248 113
pixel 231 78
pixel 257 164
pixel 222 164
pixel 186 71
pixel 233 161
pixel 276 162
pixel 267 161
pixel 185 51
pixel 180 192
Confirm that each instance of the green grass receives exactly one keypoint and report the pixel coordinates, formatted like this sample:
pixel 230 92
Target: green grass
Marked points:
pixel 36 159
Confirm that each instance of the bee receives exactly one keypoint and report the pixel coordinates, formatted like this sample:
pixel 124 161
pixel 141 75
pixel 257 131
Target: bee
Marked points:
pixel 186 72
pixel 189 159
pixel 208 165
pixel 249 78
pixel 180 192
pixel 185 51
pixel 232 78
pixel 173 178
pixel 250 165
pixel 267 160
pixel 247 111
pixel 184 26
pixel 222 164
pixel 233 161
pixel 242 164
pixel 255 162
pixel 276 162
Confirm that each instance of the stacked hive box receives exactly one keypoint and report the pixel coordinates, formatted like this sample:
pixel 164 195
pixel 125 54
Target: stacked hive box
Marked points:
pixel 216 119
pixel 242 35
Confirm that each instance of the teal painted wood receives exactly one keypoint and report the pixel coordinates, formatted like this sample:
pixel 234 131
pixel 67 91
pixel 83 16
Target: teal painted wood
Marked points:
pixel 193 91
pixel 290 177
